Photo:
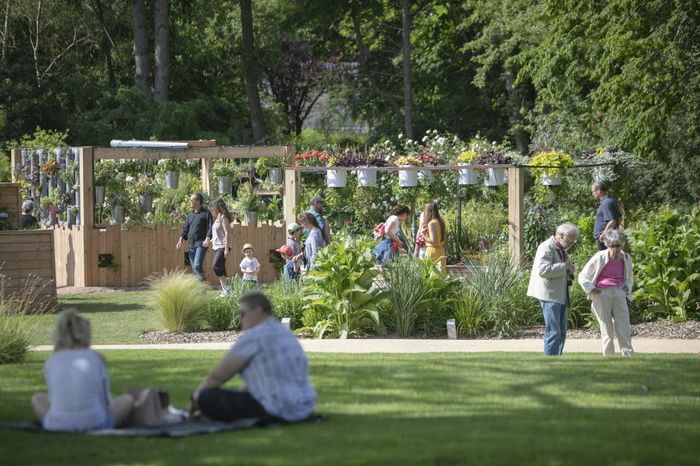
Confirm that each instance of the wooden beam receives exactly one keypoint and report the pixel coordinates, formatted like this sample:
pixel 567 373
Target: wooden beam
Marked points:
pixel 87 217
pixel 15 155
pixel 290 201
pixel 516 206
pixel 201 143
pixel 218 152
pixel 206 183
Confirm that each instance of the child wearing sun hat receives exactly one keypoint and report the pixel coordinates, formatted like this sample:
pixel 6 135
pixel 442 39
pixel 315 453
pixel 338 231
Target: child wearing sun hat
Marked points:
pixel 249 265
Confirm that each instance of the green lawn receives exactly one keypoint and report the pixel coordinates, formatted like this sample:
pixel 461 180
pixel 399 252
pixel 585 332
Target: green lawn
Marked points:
pixel 428 409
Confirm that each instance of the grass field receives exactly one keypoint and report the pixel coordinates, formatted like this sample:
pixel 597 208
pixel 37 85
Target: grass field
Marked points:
pixel 427 409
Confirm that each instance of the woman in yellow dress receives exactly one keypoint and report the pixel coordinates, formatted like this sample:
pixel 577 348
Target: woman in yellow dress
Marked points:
pixel 434 233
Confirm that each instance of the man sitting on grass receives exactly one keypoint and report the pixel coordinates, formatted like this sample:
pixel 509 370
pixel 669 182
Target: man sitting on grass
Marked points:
pixel 272 364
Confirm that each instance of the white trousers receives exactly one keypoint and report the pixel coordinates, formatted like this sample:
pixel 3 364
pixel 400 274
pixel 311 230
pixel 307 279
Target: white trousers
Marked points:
pixel 610 308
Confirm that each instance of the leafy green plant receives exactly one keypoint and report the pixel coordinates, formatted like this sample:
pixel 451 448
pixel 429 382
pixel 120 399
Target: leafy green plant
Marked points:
pixel 666 252
pixel 171 165
pixel 550 159
pixel 340 291
pixel 224 168
pixel 287 297
pixel 222 314
pixel 247 200
pixel 468 156
pixel 438 301
pixel 264 164
pixel 407 160
pixel 181 300
pixel 470 313
pixel 42 139
pixel 406 291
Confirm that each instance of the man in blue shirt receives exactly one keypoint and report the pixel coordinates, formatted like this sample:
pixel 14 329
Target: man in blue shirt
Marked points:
pixel 316 209
pixel 608 215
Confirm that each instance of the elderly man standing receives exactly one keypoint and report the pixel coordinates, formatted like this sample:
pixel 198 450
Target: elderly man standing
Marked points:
pixel 608 215
pixel 316 209
pixel 552 273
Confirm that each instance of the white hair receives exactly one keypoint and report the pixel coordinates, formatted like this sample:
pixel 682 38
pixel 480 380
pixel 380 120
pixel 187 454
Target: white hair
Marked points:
pixel 567 230
pixel 613 236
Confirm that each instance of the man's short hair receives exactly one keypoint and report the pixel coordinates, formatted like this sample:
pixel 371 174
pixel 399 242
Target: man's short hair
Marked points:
pixel 568 230
pixel 199 197
pixel 253 299
pixel 599 186
pixel 315 199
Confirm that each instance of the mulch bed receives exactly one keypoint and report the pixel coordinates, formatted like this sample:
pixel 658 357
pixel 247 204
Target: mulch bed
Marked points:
pixel 660 329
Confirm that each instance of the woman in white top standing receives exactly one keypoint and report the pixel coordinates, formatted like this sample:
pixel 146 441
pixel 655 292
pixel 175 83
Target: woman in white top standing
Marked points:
pixel 391 243
pixel 220 242
pixel 79 397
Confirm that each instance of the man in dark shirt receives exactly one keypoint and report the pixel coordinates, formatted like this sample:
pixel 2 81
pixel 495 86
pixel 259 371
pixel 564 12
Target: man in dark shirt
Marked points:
pixel 197 232
pixel 608 216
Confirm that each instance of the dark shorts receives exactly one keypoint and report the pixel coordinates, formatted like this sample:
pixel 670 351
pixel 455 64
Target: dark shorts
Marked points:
pixel 218 265
pixel 230 405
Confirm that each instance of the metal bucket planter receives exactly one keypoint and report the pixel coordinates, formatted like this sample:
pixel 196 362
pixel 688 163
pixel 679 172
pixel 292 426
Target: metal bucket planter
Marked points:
pixel 251 218
pixel 408 178
pixel 118 214
pixel 53 219
pixel 225 185
pixel 71 217
pixel 172 179
pixel 99 195
pixel 275 175
pixel 337 178
pixel 146 202
pixel 467 176
pixel 426 176
pixel 551 180
pixel 495 176
pixel 367 176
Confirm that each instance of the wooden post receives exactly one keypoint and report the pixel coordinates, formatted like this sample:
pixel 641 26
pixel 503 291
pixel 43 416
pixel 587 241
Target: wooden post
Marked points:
pixel 290 201
pixel 15 154
pixel 87 216
pixel 516 192
pixel 206 184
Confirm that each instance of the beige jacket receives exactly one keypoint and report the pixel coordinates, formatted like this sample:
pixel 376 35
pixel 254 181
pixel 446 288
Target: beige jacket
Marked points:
pixel 589 274
pixel 548 276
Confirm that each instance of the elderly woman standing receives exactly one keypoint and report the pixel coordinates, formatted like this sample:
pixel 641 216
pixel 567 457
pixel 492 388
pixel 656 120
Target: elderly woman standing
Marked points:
pixel 552 273
pixel 607 278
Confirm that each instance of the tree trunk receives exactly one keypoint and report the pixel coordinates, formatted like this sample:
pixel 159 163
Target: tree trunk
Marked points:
pixel 515 120
pixel 407 86
pixel 249 74
pixel 141 62
pixel 6 28
pixel 105 45
pixel 162 30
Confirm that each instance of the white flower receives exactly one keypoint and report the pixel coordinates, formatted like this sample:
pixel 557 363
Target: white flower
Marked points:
pixel 162 161
pixel 400 135
pixel 409 141
pixel 441 140
pixel 129 179
pixel 425 138
pixel 387 142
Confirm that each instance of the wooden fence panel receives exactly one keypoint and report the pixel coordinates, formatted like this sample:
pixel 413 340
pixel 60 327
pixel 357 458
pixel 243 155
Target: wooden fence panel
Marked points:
pixel 11 202
pixel 33 266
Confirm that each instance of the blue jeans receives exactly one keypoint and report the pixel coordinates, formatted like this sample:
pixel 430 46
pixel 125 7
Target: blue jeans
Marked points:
pixel 555 327
pixel 197 260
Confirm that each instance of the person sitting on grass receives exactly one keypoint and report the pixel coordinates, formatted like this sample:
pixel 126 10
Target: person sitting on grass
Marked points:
pixel 272 364
pixel 249 265
pixel 79 397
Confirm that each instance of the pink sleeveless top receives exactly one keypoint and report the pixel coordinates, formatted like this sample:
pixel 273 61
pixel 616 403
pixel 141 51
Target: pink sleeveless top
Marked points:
pixel 612 274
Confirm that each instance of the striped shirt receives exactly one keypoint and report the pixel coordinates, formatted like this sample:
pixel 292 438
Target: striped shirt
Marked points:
pixel 276 373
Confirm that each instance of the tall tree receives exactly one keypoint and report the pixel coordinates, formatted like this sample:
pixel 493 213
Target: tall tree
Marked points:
pixel 162 46
pixel 141 61
pixel 105 43
pixel 407 84
pixel 249 71
pixel 6 27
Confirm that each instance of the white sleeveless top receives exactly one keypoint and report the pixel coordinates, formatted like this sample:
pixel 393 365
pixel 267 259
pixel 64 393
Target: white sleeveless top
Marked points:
pixel 218 235
pixel 78 390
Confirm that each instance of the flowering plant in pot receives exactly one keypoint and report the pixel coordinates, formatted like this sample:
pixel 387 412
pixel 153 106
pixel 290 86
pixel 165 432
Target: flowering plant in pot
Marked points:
pixel 347 158
pixel 366 169
pixel 467 176
pixel 427 159
pixel 172 169
pixel 494 176
pixel 312 158
pixel 554 166
pixel 145 187
pixel 271 167
pixel 407 178
pixel 248 202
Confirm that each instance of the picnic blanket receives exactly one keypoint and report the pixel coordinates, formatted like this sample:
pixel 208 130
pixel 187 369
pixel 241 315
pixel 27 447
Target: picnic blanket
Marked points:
pixel 180 429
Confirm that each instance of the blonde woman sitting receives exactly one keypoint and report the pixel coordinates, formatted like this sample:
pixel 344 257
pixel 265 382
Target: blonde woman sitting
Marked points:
pixel 79 397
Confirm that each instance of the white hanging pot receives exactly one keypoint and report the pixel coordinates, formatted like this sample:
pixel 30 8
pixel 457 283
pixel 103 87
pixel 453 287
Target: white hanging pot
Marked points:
pixel 337 178
pixel 467 176
pixel 551 180
pixel 408 178
pixel 495 176
pixel 225 185
pixel 367 176
pixel 275 175
pixel 172 179
pixel 426 176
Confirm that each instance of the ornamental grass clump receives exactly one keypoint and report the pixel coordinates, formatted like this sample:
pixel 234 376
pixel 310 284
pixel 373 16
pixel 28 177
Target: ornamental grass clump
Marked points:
pixel 181 299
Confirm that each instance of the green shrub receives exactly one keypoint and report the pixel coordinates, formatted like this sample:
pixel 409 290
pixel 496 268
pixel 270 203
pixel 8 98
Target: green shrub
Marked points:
pixel 222 314
pixel 339 292
pixel 181 300
pixel 666 257
pixel 470 313
pixel 14 338
pixel 406 291
pixel 438 302
pixel 287 298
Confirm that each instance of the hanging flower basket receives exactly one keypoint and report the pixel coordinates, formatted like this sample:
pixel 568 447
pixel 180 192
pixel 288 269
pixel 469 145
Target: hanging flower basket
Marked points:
pixel 99 195
pixel 495 176
pixel 118 214
pixel 172 179
pixel 426 176
pixel 275 175
pixel 467 176
pixel 337 178
pixel 225 185
pixel 551 180
pixel 146 202
pixel 554 165
pixel 367 176
pixel 408 178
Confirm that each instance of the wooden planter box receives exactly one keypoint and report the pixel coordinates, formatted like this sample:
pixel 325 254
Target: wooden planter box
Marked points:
pixel 10 202
pixel 27 259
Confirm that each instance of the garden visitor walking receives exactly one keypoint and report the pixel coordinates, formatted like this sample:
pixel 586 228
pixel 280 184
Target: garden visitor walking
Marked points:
pixel 434 232
pixel 607 279
pixel 28 219
pixel 292 265
pixel 220 243
pixel 551 276
pixel 294 237
pixel 272 364
pixel 316 209
pixel 392 238
pixel 249 265
pixel 78 396
pixel 197 232
pixel 315 241
pixel 608 215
